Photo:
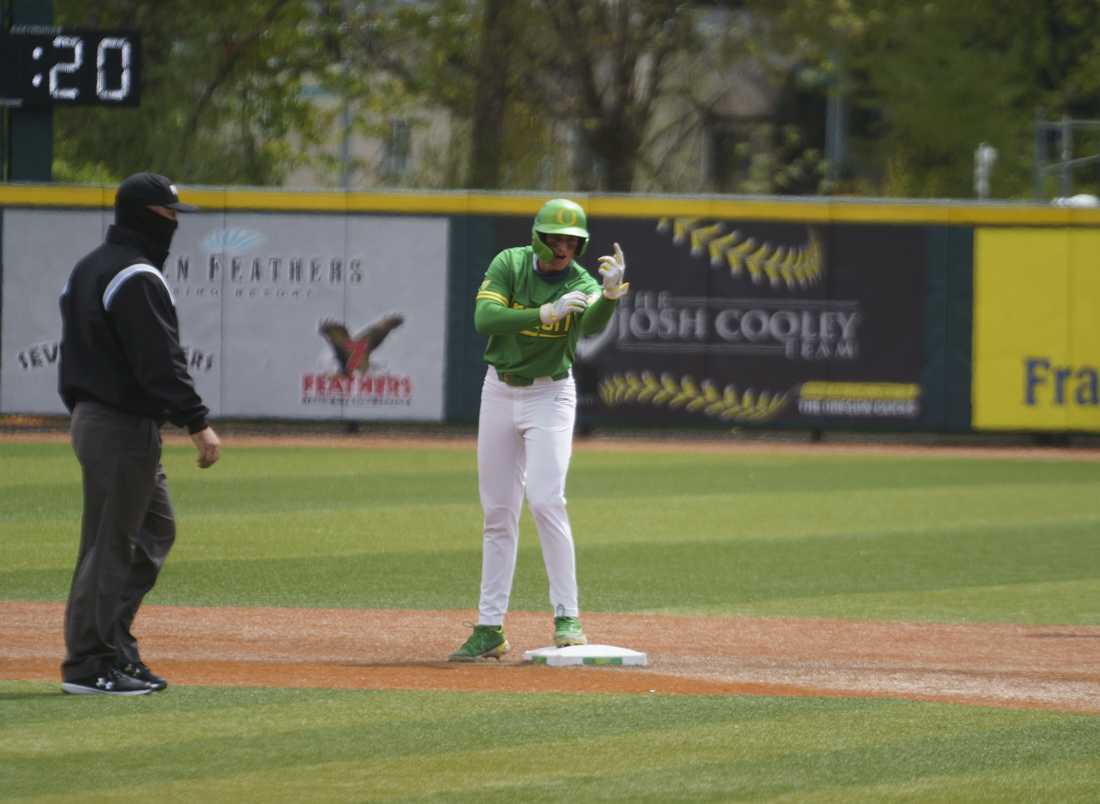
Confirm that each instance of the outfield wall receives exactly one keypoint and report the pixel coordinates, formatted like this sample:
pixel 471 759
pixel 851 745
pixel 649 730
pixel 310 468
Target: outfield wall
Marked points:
pixel 756 313
pixel 1037 329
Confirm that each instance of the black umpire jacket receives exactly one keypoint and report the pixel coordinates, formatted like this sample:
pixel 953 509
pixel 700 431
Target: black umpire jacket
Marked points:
pixel 120 337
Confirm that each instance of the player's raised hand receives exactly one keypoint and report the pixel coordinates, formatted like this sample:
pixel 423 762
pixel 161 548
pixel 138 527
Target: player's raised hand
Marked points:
pixel 612 269
pixel 573 302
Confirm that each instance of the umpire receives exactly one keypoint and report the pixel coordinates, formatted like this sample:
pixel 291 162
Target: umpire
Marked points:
pixel 122 375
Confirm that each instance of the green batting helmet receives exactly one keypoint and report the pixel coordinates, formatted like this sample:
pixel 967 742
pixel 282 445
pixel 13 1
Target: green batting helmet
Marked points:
pixel 563 217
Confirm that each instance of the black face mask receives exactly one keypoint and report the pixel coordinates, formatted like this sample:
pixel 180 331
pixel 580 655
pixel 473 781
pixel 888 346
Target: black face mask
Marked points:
pixel 155 231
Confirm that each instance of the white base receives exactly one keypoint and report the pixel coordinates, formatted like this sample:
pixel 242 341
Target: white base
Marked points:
pixel 586 654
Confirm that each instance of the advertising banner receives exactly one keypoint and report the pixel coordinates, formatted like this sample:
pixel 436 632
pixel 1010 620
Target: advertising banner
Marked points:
pixel 1036 329
pixel 748 322
pixel 40 248
pixel 313 316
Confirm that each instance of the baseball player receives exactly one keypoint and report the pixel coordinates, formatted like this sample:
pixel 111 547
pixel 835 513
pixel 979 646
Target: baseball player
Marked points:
pixel 534 305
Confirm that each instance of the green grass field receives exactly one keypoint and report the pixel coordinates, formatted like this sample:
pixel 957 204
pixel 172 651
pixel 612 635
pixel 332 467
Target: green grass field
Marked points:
pixel 851 536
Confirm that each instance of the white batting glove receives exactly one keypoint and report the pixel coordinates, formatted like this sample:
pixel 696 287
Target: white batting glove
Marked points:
pixel 573 302
pixel 612 269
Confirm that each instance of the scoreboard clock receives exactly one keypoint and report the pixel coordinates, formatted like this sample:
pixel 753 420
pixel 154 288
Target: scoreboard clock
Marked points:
pixel 46 66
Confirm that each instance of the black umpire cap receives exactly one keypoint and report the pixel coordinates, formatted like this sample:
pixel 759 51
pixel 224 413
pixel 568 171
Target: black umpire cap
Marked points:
pixel 150 190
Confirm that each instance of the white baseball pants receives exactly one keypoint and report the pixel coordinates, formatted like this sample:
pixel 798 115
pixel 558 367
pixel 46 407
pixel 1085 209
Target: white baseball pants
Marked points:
pixel 525 440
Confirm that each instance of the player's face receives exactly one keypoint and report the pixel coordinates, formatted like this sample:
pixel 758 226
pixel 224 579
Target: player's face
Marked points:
pixel 564 248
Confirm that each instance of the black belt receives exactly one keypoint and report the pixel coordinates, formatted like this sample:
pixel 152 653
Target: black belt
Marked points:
pixel 517 381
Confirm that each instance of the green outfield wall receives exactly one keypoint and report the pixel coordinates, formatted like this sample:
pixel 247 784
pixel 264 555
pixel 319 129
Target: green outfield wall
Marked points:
pixel 774 313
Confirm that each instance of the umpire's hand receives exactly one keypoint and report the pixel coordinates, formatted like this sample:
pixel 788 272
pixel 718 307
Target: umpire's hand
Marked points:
pixel 209 447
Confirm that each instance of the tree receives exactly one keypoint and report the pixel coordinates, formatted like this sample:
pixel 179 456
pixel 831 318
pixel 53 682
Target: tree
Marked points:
pixel 742 112
pixel 222 99
pixel 476 60
pixel 496 53
pixel 591 94
pixel 611 71
pixel 934 79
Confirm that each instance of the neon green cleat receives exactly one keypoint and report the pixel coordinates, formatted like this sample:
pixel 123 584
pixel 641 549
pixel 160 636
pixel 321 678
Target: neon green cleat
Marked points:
pixel 568 631
pixel 486 642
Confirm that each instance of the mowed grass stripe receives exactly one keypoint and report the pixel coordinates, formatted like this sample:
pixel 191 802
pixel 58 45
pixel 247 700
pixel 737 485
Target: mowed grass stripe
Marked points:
pixel 456 525
pixel 277 475
pixel 1063 782
pixel 676 768
pixel 289 745
pixel 277 740
pixel 836 575
pixel 690 517
pixel 244 536
pixel 738 577
pixel 209 714
pixel 640 517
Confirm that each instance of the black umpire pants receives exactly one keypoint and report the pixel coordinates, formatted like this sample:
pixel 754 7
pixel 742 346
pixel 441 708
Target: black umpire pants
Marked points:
pixel 127 530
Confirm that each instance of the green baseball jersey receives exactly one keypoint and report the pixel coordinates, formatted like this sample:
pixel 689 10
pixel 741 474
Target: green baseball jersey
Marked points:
pixel 508 304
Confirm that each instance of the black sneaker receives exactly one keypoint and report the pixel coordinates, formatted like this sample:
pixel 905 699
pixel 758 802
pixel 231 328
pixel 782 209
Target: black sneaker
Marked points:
pixel 112 682
pixel 141 672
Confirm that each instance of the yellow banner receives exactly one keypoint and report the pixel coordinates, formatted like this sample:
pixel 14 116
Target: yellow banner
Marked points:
pixel 1036 329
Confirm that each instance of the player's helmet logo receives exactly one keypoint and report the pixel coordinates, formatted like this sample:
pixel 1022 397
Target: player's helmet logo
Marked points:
pixel 567 216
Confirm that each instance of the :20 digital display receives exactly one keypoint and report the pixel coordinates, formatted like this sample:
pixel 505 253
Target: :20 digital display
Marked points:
pixel 45 66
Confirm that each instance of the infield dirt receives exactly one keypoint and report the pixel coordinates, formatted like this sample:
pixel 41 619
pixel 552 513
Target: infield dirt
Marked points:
pixel 1001 665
